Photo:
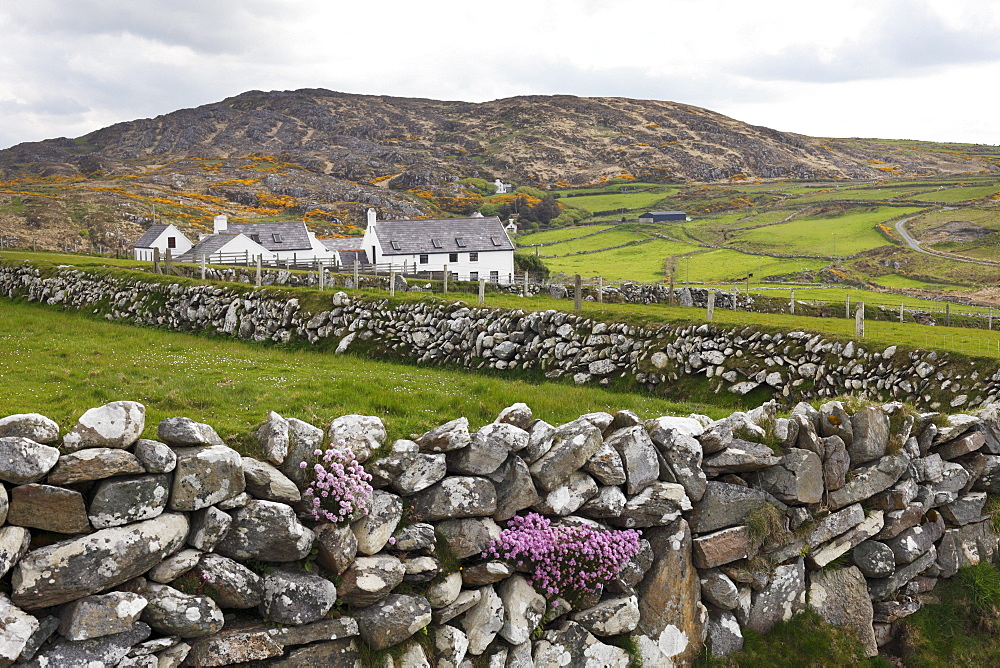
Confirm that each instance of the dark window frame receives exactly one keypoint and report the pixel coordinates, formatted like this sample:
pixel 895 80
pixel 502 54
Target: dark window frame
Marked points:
pixel 452 257
pixel 423 258
pixel 474 256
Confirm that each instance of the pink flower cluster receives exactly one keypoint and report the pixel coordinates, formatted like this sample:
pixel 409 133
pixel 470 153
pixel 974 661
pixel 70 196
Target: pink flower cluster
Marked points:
pixel 339 491
pixel 566 560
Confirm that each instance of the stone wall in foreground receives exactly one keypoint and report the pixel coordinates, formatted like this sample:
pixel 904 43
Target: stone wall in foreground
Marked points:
pixel 788 366
pixel 121 550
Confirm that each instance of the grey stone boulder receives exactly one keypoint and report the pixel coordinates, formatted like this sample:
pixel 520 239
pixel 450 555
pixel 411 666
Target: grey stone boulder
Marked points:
pixel 483 620
pixel 234 647
pixel 834 421
pixel 608 502
pixel 422 471
pixel 886 588
pixel 24 461
pixel 486 573
pixel 361 434
pixel 871 435
pixel 95 616
pixel 963 445
pixel 523 608
pixel 206 475
pixel 343 652
pixel 14 542
pixel 740 456
pixel 94 464
pixel 16 630
pixel 514 488
pixel 392 620
pixel 572 645
pixel 719 590
pixel 724 634
pixel 417 537
pixel 444 592
pixel 208 527
pixel 174 566
pixel 293 596
pixel 605 466
pixel 103 651
pixel 840 597
pixel 869 479
pixel 518 414
pixel 827 552
pixel 172 612
pixel 658 504
pixel 874 559
pixel 128 499
pixel 467 537
pixel 155 457
pixel 268 531
pixel 966 510
pixel 265 481
pixel 77 567
pixel 232 584
pixel 386 469
pixel 683 453
pixel 182 431
pixel 118 424
pixel 568 497
pixel 451 645
pixel 447 437
pixel 32 426
pixel 781 598
pixel 540 437
pixel 721 547
pixel 420 569
pixel 272 437
pixel 455 497
pixel 327 629
pixel 914 542
pixel 374 529
pixel 797 478
pixel 726 505
pixel 572 445
pixel 303 440
pixel 638 455
pixel 370 579
pixel 336 546
pixel 610 617
pixel 462 603
pixel 836 463
pixel 48 508
pixel 488 449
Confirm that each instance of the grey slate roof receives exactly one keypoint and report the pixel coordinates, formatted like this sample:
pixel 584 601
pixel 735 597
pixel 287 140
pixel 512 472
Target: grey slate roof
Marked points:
pixel 149 236
pixel 294 236
pixel 210 244
pixel 350 243
pixel 418 236
pixel 661 213
pixel 346 258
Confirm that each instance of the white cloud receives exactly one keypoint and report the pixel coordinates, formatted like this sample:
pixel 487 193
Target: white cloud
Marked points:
pixel 849 67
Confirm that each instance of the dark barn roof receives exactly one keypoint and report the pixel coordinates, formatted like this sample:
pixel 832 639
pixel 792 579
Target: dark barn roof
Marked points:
pixel 339 244
pixel 449 235
pixel 210 244
pixel 150 235
pixel 294 236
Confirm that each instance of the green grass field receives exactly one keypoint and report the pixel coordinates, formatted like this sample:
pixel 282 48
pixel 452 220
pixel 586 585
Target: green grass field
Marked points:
pixel 615 237
pixel 855 232
pixel 951 195
pixel 612 201
pixel 232 385
pixel 561 234
pixel 642 262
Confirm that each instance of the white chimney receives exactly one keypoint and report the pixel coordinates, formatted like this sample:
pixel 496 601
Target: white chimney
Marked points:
pixel 221 224
pixel 371 217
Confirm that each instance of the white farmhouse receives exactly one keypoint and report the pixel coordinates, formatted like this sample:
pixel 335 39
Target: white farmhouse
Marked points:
pixel 226 248
pixel 471 248
pixel 285 241
pixel 160 237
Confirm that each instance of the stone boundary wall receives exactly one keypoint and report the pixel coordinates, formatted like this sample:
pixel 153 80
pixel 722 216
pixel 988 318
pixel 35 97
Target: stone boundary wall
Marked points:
pixel 787 366
pixel 120 550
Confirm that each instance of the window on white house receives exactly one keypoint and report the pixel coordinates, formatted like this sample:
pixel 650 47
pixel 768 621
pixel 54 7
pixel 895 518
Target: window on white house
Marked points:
pixel 171 242
pixel 436 243
pixel 423 259
pixel 255 238
pixel 473 257
pixel 394 244
pixel 452 257
pixel 494 277
pixel 473 275
pixel 460 242
pixel 496 241
pixel 277 237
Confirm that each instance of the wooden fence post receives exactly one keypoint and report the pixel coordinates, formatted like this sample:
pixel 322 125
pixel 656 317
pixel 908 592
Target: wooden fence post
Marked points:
pixel 900 311
pixel 355 273
pixel 989 322
pixel 577 293
pixel 156 260
pixel 392 283
pixel 710 309
pixel 482 291
pixel 525 283
pixel 859 321
pixel 947 314
pixel 847 311
pixel 203 267
pixel 600 289
pixel 445 277
pixel 259 279
pixel 322 275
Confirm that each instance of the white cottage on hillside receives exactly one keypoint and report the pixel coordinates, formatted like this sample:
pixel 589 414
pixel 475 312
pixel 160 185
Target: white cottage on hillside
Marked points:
pixel 284 241
pixel 471 248
pixel 226 248
pixel 160 237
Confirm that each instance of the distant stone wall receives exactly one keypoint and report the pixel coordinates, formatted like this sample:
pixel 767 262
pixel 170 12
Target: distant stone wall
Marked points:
pixel 787 366
pixel 128 551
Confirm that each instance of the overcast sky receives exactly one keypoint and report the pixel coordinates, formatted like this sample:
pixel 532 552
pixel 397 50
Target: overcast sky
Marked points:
pixel 911 69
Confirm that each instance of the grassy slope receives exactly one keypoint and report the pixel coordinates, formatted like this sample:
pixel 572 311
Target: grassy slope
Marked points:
pixel 62 363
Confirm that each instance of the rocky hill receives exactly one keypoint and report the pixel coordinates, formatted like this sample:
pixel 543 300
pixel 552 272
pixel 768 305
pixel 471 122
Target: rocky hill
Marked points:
pixel 327 156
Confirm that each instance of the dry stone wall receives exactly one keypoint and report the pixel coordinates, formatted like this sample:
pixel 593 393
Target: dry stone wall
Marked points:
pixel 118 550
pixel 788 366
